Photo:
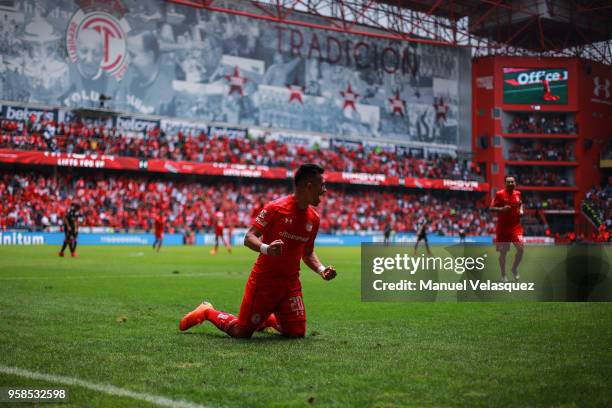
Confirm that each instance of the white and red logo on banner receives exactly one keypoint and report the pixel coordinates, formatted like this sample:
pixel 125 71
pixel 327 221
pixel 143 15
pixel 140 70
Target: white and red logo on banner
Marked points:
pixel 107 19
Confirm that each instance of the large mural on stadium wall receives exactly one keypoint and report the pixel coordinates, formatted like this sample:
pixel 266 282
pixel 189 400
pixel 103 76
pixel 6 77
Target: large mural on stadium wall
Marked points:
pixel 155 57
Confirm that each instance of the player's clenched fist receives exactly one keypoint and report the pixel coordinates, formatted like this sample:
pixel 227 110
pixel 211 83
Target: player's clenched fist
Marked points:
pixel 276 248
pixel 328 273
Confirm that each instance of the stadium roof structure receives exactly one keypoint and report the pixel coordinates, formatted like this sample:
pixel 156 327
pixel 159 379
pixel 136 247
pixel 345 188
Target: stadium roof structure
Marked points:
pixel 551 28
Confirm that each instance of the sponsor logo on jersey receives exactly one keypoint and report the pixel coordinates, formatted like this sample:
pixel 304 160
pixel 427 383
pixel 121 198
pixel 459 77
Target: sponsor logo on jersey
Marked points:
pixel 289 235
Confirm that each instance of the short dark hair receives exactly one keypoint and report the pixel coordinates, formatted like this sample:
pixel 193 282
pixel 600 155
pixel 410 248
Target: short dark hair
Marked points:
pixel 306 172
pixel 509 175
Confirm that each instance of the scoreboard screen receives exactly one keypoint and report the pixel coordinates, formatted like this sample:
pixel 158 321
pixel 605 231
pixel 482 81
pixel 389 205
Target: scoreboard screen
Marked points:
pixel 545 86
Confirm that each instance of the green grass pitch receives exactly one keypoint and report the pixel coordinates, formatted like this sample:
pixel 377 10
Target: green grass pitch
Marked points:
pixel 111 316
pixel 535 94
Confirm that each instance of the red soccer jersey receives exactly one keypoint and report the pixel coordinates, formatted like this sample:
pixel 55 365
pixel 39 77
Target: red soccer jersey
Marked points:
pixel 283 219
pixel 508 222
pixel 159 225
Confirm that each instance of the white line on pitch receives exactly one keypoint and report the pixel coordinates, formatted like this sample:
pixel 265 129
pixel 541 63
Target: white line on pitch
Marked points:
pixel 103 388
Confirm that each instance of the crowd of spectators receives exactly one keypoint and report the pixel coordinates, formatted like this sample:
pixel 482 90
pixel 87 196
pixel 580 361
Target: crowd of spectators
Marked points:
pixel 372 210
pixel 540 176
pixel 541 150
pixel 533 225
pixel 599 201
pixel 38 201
pixel 156 144
pixel 538 202
pixel 541 123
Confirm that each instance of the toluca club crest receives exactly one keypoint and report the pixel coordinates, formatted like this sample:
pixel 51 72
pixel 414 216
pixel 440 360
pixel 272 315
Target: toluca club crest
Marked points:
pixel 101 22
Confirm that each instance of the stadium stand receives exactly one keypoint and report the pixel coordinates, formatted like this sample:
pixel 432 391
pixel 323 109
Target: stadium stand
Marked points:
pixel 541 124
pixel 540 150
pixel 540 176
pixel 35 200
pixel 598 206
pixel 547 201
pixel 80 138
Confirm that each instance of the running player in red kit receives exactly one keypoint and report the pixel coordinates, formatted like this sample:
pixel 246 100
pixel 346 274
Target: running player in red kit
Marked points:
pixel 283 233
pixel 160 223
pixel 219 223
pixel 548 96
pixel 509 206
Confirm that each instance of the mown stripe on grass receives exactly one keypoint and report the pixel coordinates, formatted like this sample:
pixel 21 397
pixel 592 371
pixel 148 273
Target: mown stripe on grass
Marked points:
pixel 103 388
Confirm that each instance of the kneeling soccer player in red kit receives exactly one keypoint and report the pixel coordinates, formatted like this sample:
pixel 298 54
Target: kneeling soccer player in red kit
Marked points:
pixel 284 232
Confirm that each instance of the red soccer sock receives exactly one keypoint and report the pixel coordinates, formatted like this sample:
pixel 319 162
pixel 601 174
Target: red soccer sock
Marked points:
pixel 223 321
pixel 270 322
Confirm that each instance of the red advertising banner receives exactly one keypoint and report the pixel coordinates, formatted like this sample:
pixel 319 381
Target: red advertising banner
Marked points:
pixel 223 169
pixel 217 169
pixel 93 161
pixel 443 184
pixel 361 178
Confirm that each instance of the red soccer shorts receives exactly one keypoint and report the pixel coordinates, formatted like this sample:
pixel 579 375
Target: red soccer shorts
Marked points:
pixel 283 298
pixel 503 241
pixel 159 235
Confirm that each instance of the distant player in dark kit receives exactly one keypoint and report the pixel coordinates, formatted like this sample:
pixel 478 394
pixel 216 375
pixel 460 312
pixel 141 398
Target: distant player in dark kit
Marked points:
pixel 219 224
pixel 509 206
pixel 159 226
pixel 387 233
pixel 283 233
pixel 71 229
pixel 422 236
pixel 461 235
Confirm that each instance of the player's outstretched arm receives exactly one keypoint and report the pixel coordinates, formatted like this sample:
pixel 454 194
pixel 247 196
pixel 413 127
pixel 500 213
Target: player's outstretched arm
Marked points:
pixel 312 261
pixel 252 240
